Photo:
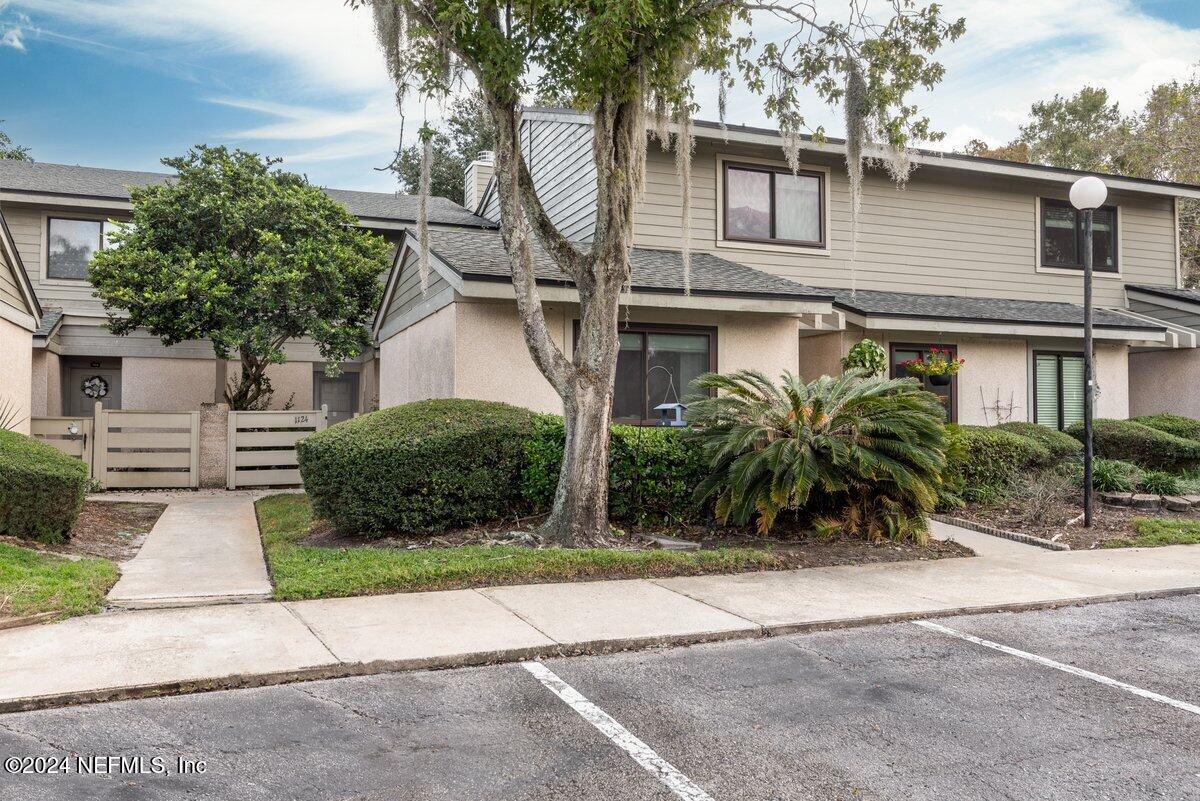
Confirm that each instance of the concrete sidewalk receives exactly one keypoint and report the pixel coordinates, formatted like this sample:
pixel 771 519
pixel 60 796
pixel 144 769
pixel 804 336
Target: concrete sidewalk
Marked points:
pixel 204 549
pixel 149 652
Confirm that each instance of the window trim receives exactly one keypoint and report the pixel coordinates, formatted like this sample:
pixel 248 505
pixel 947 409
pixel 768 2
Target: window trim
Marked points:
pixel 46 278
pixel 820 171
pixel 1063 269
pixel 634 327
pixel 924 347
pixel 1059 354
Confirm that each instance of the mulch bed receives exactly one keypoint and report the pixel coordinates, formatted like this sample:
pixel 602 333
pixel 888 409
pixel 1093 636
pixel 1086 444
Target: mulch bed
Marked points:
pixel 110 529
pixel 798 548
pixel 1108 522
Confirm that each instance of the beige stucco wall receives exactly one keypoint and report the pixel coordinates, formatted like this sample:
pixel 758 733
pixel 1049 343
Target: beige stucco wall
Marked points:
pixel 418 362
pixel 16 372
pixel 169 385
pixel 492 362
pixel 47 384
pixel 291 382
pixel 1112 378
pixel 995 373
pixel 822 354
pixel 1165 381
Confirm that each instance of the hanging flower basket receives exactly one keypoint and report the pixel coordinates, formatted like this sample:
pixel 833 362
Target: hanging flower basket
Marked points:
pixel 939 366
pixel 95 387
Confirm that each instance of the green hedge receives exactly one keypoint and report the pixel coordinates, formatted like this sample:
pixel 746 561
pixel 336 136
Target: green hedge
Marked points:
pixel 984 459
pixel 1060 445
pixel 41 489
pixel 1175 424
pixel 652 472
pixel 421 466
pixel 1146 447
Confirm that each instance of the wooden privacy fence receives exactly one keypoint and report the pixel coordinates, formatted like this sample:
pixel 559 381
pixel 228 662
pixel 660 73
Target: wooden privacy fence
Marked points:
pixel 147 449
pixel 262 446
pixel 71 435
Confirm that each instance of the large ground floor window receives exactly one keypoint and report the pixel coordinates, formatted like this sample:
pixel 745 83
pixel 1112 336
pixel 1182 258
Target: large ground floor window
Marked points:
pixel 1057 388
pixel 946 393
pixel 656 364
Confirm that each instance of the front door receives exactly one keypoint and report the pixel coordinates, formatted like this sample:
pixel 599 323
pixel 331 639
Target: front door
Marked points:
pixel 339 394
pixel 86 385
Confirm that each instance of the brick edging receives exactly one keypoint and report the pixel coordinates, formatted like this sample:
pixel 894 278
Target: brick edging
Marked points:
pixel 1015 536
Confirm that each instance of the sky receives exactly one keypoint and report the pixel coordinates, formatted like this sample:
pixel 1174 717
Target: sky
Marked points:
pixel 123 83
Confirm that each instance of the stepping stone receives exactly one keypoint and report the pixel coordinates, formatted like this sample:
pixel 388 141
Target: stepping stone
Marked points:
pixel 671 543
pixel 1116 498
pixel 1141 501
pixel 1194 500
pixel 1175 503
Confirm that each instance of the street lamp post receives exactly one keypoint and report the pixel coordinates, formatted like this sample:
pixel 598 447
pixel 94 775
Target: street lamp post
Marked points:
pixel 1087 195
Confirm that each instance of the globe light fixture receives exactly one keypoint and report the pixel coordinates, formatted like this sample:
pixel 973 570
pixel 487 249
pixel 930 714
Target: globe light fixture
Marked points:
pixel 1087 195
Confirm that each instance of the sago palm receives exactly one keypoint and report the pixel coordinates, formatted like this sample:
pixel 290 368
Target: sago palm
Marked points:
pixel 869 450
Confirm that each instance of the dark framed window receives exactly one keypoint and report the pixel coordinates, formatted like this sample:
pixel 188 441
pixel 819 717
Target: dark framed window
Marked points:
pixel 70 243
pixel 656 364
pixel 1057 388
pixel 770 204
pixel 1061 236
pixel 947 394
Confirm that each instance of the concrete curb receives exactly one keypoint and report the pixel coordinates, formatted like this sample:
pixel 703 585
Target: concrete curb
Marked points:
pixel 28 620
pixel 1015 536
pixel 339 670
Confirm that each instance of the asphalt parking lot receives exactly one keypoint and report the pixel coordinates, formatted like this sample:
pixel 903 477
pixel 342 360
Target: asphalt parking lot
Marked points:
pixel 1095 702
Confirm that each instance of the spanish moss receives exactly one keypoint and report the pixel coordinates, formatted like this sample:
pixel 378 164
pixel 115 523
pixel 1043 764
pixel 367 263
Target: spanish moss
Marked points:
pixel 683 168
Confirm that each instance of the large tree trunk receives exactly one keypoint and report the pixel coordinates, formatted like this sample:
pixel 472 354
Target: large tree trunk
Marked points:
pixel 579 517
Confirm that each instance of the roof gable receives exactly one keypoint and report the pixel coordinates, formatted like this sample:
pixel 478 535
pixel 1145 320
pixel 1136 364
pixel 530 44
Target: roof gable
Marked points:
pixel 29 314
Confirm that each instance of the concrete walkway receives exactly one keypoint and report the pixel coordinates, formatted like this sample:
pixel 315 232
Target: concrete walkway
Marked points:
pixel 148 652
pixel 204 549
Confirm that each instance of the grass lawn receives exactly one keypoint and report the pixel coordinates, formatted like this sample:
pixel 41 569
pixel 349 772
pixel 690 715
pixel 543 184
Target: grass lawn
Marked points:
pixel 1154 533
pixel 310 572
pixel 32 583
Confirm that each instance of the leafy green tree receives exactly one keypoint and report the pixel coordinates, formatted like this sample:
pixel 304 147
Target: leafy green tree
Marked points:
pixel 629 65
pixel 247 257
pixel 466 133
pixel 8 150
pixel 866 450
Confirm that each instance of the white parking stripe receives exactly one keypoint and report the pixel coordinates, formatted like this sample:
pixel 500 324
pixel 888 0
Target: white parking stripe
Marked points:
pixel 643 754
pixel 1074 671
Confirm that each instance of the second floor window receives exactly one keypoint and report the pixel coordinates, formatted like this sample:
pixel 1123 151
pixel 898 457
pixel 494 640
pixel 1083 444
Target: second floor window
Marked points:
pixel 769 204
pixel 1062 236
pixel 70 245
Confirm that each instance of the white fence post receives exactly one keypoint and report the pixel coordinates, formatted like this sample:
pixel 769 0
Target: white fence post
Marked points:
pixel 100 445
pixel 231 452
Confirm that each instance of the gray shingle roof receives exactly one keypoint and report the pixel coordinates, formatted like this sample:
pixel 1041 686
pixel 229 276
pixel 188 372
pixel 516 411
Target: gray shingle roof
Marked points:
pixel 873 303
pixel 481 255
pixel 50 320
pixel 1188 295
pixel 95 182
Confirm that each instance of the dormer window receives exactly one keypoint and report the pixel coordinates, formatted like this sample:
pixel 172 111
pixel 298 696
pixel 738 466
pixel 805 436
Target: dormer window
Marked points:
pixel 773 204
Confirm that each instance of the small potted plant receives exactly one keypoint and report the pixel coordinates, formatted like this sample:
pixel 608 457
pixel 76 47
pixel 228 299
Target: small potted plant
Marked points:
pixel 939 366
pixel 867 355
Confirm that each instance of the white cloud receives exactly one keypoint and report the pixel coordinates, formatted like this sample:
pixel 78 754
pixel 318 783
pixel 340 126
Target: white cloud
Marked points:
pixel 12 38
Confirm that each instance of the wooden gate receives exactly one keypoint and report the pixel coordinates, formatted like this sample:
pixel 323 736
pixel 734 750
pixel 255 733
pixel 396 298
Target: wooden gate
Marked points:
pixel 147 449
pixel 71 435
pixel 262 446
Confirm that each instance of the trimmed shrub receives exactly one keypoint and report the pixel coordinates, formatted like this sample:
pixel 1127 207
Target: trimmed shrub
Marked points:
pixel 985 459
pixel 1146 447
pixel 1158 483
pixel 1175 424
pixel 421 466
pixel 41 489
pixel 1061 446
pixel 652 472
pixel 1113 475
